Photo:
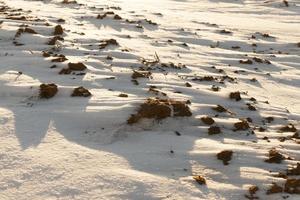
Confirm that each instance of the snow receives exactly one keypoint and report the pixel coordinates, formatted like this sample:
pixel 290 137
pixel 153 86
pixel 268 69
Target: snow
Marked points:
pixel 82 148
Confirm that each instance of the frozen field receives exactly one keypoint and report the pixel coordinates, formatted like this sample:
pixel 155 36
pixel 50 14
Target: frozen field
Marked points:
pixel 241 55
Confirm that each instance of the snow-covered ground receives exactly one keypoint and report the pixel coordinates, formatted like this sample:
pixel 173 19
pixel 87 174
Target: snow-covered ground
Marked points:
pixel 83 148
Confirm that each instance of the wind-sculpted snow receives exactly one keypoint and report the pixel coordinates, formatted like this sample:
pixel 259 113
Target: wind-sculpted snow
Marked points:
pixel 149 99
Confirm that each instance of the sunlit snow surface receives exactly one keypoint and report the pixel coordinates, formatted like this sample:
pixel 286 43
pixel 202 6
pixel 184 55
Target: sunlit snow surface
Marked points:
pixel 82 148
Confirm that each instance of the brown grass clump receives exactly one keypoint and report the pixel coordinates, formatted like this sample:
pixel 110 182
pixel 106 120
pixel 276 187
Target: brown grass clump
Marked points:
pixel 251 107
pixel 235 95
pixel 58 30
pixel 295 136
pixel 46 54
pixel 173 65
pixel 53 40
pixel 123 95
pixel 207 120
pixel 65 71
pixel 248 61
pixel 73 67
pixel 225 31
pixel 159 109
pixel 274 157
pixel 269 119
pixel 242 125
pixel 29 30
pixel 288 128
pixel 294 171
pixel 225 156
pixel 101 16
pixel 104 43
pixel 117 17
pixel 280 175
pixel 69 2
pixel 104 15
pixel 213 130
pixel 61 20
pixel 81 92
pixel 22 18
pixel 59 58
pixel 156 92
pixel 77 66
pixel 140 74
pixel 259 60
pixel 220 109
pixel 292 186
pixel 235 47
pixel 205 78
pixel 135 82
pixel 274 189
pixel 200 180
pixel 48 91
pixel 215 88
pixel 187 84
pixel 252 190
pixel 25 30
